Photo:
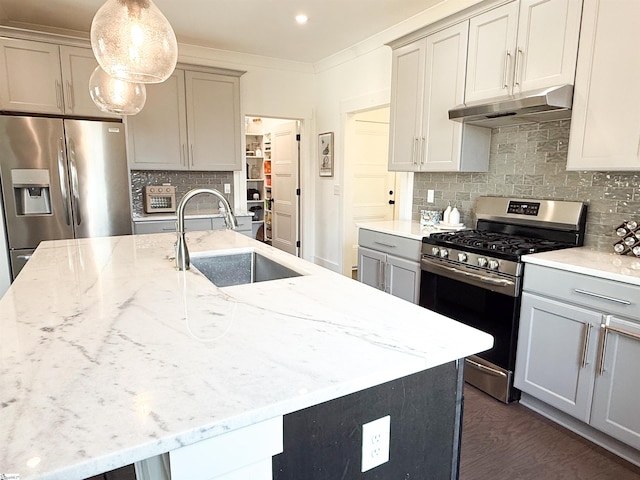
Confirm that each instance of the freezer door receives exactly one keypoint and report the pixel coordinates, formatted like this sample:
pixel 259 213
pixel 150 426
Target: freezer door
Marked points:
pixel 33 172
pixel 99 178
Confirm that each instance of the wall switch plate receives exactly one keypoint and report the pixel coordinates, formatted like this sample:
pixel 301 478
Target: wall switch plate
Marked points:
pixel 430 195
pixel 375 443
pixel 227 188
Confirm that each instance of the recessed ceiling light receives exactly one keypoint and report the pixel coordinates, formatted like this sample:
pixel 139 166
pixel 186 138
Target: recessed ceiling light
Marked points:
pixel 302 19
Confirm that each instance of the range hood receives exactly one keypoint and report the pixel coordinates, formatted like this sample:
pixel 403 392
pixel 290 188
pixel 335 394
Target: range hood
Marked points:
pixel 535 106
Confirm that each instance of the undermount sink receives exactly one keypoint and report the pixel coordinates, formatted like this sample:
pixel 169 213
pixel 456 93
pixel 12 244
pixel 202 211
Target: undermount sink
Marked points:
pixel 227 269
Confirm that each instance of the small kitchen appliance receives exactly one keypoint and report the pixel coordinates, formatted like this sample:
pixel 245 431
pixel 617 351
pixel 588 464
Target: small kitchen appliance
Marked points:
pixel 160 198
pixel 475 276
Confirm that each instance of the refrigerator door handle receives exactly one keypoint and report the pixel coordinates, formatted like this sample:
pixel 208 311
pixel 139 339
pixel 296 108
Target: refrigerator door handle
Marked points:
pixel 74 182
pixel 63 181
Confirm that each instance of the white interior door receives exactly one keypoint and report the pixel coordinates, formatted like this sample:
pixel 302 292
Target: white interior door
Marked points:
pixel 284 178
pixel 369 185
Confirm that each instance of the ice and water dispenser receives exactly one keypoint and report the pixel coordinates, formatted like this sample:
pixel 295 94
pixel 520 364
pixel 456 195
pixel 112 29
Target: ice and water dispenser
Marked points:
pixel 32 190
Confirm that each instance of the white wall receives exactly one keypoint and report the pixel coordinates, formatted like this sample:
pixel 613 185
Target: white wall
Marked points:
pixel 361 72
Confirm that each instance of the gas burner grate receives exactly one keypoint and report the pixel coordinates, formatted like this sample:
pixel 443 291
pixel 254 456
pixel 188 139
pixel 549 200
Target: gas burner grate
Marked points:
pixel 497 242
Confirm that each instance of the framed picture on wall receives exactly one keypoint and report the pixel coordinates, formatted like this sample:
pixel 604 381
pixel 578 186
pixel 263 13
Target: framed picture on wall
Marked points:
pixel 325 154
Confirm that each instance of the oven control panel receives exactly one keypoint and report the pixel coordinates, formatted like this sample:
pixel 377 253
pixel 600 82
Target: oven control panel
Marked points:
pixel 457 257
pixel 524 208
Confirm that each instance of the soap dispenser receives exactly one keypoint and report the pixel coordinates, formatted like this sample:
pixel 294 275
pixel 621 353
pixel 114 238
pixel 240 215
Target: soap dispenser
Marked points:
pixel 446 217
pixel 454 217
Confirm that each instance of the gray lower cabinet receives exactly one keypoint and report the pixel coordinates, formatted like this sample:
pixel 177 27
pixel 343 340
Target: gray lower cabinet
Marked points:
pixel 191 224
pixel 579 348
pixel 390 263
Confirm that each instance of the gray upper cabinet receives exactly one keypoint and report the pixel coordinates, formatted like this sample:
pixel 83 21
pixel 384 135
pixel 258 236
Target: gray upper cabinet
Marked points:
pixel 77 65
pixel 605 122
pixel 157 136
pixel 522 46
pixel 38 77
pixel 190 122
pixel 428 80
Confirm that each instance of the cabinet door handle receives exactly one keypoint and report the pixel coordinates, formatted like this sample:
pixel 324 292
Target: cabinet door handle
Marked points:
pixel 414 153
pixel 381 276
pixel 70 98
pixel 423 159
pixel 58 93
pixel 606 328
pixel 601 297
pixel 585 344
pixel 517 74
pixel 507 60
pixel 183 160
pixel 192 154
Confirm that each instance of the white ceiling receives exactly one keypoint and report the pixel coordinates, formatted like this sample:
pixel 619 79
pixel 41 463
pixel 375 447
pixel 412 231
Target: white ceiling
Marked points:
pixel 260 27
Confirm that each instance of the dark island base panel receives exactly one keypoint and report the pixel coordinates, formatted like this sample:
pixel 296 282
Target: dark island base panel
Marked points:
pixel 124 473
pixel 324 442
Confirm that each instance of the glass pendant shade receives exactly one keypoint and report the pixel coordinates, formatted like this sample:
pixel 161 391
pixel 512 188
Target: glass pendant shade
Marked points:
pixel 133 41
pixel 114 95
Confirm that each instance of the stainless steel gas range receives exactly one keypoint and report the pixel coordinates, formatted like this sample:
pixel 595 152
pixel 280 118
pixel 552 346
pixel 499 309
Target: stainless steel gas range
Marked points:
pixel 475 276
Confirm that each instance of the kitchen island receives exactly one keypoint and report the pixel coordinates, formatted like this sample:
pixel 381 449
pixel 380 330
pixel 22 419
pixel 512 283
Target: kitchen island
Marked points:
pixel 110 356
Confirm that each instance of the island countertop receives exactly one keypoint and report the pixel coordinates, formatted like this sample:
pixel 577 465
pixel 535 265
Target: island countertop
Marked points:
pixel 109 355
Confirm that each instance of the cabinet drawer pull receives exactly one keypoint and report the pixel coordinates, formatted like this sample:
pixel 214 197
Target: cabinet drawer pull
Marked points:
pixel 602 297
pixel 384 244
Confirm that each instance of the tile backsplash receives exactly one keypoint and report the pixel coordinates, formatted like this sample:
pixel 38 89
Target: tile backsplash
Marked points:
pixel 529 161
pixel 183 181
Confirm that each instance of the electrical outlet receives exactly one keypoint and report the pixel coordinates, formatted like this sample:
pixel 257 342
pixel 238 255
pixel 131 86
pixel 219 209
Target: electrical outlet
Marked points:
pixel 430 194
pixel 227 188
pixel 375 443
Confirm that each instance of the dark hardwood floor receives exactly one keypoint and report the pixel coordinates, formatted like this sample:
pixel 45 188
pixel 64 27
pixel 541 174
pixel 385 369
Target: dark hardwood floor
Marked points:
pixel 511 442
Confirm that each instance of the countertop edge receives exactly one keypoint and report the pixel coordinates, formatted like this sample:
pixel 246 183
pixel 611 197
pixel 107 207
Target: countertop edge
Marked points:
pixel 586 261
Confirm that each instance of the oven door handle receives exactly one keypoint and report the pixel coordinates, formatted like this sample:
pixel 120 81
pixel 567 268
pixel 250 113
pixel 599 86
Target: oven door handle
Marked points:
pixel 468 277
pixel 484 368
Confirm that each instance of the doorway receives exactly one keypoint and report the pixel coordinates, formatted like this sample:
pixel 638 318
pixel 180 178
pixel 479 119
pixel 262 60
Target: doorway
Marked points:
pixel 273 175
pixel 370 190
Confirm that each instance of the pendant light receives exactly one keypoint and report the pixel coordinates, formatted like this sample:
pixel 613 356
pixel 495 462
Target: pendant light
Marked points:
pixel 133 41
pixel 114 95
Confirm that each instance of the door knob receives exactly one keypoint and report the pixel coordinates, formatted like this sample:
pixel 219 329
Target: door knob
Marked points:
pixel 392 202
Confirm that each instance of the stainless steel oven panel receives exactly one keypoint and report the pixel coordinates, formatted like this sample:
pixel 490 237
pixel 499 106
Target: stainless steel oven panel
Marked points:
pixel 494 282
pixel 488 377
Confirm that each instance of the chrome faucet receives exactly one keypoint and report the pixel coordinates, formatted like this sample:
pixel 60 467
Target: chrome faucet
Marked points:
pixel 182 252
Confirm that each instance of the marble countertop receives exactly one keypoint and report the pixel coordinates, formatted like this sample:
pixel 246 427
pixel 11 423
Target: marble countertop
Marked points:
pixel 108 355
pixel 621 268
pixel 403 228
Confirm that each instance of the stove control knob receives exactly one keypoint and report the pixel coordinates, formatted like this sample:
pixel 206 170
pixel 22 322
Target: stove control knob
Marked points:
pixel 493 264
pixel 482 262
pixel 444 253
pixel 435 251
pixel 462 257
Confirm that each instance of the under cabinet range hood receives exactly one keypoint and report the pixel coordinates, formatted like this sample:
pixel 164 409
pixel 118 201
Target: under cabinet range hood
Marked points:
pixel 535 106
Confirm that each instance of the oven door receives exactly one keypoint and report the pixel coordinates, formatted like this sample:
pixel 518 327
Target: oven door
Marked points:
pixel 488 302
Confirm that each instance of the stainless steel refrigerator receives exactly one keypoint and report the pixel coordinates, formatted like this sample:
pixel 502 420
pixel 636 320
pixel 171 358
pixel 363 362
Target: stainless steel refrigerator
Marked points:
pixel 61 178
